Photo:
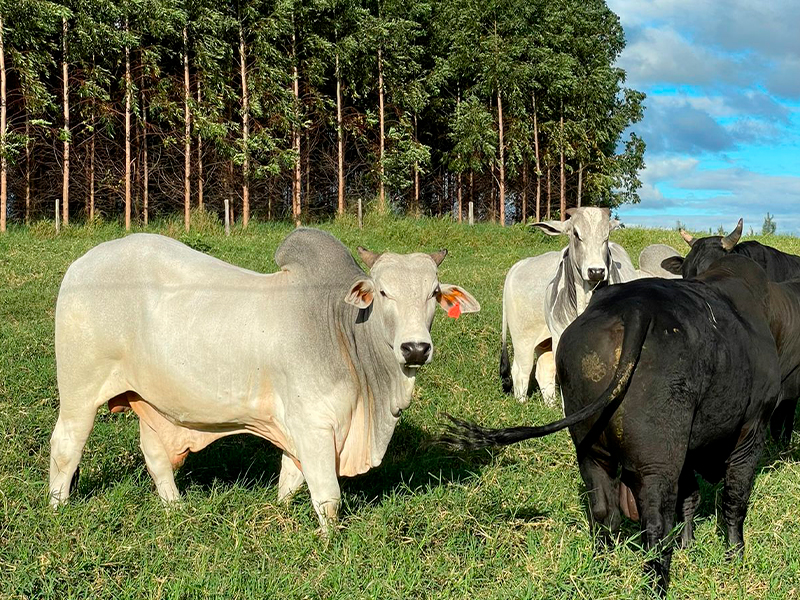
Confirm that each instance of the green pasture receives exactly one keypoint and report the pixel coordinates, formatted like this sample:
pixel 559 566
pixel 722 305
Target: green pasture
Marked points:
pixel 425 524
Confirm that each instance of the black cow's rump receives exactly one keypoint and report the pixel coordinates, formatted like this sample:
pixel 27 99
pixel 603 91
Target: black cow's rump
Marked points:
pixel 662 379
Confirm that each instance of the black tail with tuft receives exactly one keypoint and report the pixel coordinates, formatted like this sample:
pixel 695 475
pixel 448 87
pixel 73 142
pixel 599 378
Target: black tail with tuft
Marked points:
pixel 462 435
pixel 505 369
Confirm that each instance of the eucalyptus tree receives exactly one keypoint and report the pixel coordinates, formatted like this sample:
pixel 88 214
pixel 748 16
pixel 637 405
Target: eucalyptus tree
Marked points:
pixel 30 36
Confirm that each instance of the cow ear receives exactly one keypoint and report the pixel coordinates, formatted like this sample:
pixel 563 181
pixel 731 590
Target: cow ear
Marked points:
pixel 361 293
pixel 615 224
pixel 673 264
pixel 553 227
pixel 368 256
pixel 449 295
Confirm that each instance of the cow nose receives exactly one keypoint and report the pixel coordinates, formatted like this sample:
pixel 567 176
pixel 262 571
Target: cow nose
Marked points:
pixel 415 353
pixel 597 274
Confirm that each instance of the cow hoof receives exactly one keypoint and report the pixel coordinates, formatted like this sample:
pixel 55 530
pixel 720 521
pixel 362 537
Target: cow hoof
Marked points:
pixel 735 553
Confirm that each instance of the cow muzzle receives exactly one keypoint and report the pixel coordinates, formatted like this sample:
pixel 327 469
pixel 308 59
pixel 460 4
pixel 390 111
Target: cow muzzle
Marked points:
pixel 415 354
pixel 597 274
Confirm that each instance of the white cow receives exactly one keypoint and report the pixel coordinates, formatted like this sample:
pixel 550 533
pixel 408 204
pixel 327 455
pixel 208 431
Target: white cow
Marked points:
pixel 543 294
pixel 318 358
pixel 650 261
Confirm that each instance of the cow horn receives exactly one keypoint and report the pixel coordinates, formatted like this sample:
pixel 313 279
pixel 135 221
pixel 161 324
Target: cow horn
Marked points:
pixel 367 256
pixel 730 240
pixel 687 237
pixel 438 257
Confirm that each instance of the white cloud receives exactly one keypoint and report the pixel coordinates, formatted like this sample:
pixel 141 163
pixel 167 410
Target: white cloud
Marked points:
pixel 703 198
pixel 662 55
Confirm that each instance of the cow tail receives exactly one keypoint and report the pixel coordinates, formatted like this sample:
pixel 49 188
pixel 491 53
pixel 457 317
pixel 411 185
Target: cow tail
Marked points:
pixel 505 366
pixel 462 435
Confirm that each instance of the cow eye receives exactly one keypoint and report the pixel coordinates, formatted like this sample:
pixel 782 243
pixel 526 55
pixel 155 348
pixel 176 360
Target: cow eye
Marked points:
pixel 578 236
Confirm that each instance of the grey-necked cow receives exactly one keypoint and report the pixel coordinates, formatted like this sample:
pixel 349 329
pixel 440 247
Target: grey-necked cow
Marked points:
pixel 543 294
pixel 318 358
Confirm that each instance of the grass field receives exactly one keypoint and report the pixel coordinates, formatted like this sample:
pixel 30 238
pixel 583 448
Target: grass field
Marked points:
pixel 425 524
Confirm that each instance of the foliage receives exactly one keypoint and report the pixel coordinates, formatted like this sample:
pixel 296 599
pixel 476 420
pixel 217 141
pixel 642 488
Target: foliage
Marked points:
pixel 769 226
pixel 445 64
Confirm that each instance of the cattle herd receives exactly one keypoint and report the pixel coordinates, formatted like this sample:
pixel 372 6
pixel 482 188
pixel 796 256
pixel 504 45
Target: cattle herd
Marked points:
pixel 675 369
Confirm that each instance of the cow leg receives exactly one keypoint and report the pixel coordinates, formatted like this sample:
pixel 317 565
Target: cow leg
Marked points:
pixel 317 453
pixel 603 499
pixel 522 368
pixel 688 500
pixel 782 421
pixel 290 479
pixel 656 496
pixel 66 446
pixel 158 462
pixel 546 378
pixel 740 473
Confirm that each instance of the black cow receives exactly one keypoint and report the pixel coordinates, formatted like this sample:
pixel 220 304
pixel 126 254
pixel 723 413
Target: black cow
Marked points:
pixel 662 379
pixel 780 267
pixel 704 251
pixel 785 317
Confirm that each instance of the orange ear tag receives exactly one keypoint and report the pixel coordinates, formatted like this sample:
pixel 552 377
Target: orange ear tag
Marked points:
pixel 455 311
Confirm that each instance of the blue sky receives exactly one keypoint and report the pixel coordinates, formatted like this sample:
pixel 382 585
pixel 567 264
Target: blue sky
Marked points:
pixel 722 117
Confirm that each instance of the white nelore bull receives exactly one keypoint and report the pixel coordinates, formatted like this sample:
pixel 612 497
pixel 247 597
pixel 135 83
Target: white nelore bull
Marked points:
pixel 318 358
pixel 543 294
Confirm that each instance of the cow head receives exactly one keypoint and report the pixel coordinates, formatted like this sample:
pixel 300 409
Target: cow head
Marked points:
pixel 588 229
pixel 704 251
pixel 403 290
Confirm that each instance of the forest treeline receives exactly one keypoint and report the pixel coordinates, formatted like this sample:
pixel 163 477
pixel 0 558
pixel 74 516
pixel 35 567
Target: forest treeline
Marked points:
pixel 298 109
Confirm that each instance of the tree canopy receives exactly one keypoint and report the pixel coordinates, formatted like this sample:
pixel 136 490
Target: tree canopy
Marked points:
pixel 482 100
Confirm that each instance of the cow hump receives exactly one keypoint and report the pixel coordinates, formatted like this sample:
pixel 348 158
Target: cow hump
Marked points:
pixel 316 253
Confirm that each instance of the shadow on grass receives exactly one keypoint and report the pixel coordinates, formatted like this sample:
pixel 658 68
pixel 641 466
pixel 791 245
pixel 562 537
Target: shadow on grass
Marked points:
pixel 411 463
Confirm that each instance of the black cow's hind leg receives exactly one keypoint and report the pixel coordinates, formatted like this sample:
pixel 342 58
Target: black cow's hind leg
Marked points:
pixel 688 500
pixel 657 496
pixel 740 472
pixel 782 421
pixel 603 500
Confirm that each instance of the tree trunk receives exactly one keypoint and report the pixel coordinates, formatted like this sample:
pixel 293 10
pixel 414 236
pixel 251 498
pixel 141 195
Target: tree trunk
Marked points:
pixel 580 182
pixel 187 139
pixel 458 195
pixel 502 197
pixel 549 188
pixel 199 155
pixel 245 133
pixel 308 172
pixel 339 137
pixel 416 175
pixel 296 183
pixel 562 173
pixel 65 77
pixel 128 133
pixel 382 193
pixel 460 207
pixel 91 163
pixel 27 168
pixel 538 164
pixel 524 212
pixel 3 159
pixel 492 192
pixel 472 187
pixel 145 166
